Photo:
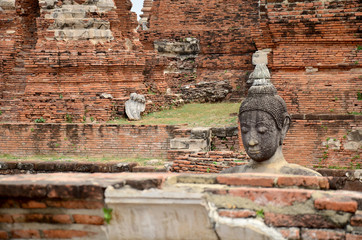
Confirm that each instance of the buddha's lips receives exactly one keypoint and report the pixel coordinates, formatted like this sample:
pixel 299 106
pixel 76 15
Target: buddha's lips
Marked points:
pixel 254 151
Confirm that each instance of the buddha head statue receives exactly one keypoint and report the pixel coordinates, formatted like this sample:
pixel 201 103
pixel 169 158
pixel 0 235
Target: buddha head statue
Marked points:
pixel 264 122
pixel 263 116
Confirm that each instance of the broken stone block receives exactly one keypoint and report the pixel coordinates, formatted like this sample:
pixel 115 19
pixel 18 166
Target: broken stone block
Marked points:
pixel 7 4
pixel 332 144
pixel 106 96
pixel 354 140
pixel 261 57
pixel 135 106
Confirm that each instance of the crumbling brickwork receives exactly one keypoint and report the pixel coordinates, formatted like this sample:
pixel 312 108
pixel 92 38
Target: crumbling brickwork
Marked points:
pixel 58 57
pixel 316 56
pixel 100 206
pixel 222 30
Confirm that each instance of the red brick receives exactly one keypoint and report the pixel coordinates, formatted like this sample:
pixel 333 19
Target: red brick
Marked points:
pixel 19 218
pixel 9 203
pixel 237 213
pixel 27 234
pixel 87 219
pixel 75 204
pixel 33 204
pixel 350 236
pixel 290 233
pixel 304 220
pixel 273 196
pixel 356 220
pixel 68 234
pixel 61 218
pixel 322 234
pixel 302 181
pixel 5 218
pixel 242 180
pixel 336 204
pixel 4 235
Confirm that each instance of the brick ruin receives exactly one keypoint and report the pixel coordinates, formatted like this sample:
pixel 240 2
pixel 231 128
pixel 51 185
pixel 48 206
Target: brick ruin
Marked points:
pixel 176 206
pixel 59 57
pixel 78 61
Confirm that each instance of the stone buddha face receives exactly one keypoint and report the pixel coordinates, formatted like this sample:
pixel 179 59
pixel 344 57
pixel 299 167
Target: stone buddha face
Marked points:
pixel 260 134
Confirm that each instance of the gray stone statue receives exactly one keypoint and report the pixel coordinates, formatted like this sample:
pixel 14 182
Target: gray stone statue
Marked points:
pixel 135 106
pixel 264 122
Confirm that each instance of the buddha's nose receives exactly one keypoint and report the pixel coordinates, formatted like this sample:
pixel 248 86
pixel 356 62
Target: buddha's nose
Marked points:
pixel 253 142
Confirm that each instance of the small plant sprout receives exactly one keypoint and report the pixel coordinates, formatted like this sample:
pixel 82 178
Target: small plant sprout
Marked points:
pixel 40 120
pixel 107 214
pixel 260 213
pixel 359 96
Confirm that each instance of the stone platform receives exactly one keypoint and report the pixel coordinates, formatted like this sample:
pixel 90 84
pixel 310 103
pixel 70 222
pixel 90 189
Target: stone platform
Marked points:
pixel 176 206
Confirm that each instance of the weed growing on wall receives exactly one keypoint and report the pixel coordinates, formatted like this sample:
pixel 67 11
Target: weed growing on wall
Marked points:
pixel 68 118
pixel 260 213
pixel 40 120
pixel 107 214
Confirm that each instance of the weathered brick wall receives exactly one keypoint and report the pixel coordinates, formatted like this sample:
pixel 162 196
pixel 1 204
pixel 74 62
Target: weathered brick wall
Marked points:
pixel 52 210
pixel 54 64
pixel 66 206
pixel 85 139
pixel 208 162
pixel 222 30
pixel 316 56
pixel 327 142
pixel 323 141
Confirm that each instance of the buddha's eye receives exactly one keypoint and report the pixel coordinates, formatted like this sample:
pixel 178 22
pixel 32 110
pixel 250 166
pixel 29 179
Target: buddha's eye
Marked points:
pixel 244 129
pixel 262 129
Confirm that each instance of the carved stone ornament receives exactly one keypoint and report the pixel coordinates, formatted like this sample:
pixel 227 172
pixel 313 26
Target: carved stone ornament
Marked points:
pixel 135 106
pixel 264 122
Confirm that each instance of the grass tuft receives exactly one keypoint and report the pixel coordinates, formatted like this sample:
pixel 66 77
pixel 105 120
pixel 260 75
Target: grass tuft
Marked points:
pixel 194 115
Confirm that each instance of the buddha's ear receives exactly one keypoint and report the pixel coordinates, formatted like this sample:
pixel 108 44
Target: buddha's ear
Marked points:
pixel 285 128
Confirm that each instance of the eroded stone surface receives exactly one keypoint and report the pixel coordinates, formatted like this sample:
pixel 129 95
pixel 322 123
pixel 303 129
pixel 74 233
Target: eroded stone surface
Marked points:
pixel 135 106
pixel 73 21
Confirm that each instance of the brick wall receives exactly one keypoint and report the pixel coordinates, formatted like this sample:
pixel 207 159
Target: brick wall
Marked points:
pixel 66 206
pixel 53 66
pixel 85 139
pixel 208 162
pixel 222 30
pixel 322 141
pixel 315 55
pixel 52 210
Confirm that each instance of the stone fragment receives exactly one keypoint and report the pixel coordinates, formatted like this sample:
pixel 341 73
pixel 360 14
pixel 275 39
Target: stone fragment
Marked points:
pixel 354 140
pixel 245 229
pixel 106 96
pixel 261 56
pixel 7 4
pixel 135 106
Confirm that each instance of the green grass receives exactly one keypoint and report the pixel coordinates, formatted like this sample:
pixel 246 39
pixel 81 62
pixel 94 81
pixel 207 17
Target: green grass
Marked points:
pixel 62 158
pixel 192 115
